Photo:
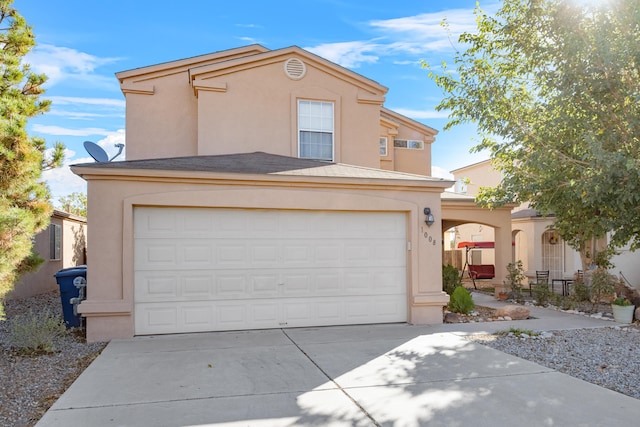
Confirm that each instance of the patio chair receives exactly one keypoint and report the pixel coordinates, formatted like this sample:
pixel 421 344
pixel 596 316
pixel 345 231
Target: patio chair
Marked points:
pixel 542 277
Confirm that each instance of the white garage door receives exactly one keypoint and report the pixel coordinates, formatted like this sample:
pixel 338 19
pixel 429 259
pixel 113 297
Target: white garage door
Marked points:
pixel 230 269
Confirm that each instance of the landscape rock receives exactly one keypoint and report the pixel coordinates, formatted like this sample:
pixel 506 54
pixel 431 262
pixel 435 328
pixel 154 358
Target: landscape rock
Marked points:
pixel 452 318
pixel 515 312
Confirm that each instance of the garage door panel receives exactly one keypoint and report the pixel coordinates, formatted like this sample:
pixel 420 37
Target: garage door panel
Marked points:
pixel 264 255
pixel 231 285
pixel 197 286
pixel 234 284
pixel 158 318
pixel 264 285
pixel 197 316
pixel 264 314
pixel 156 287
pixel 229 269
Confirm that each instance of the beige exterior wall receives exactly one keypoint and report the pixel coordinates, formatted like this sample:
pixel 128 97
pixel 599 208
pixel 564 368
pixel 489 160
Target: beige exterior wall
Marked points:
pixel 109 304
pixel 479 175
pixel 73 250
pixel 245 102
pixel 457 212
pixel 395 126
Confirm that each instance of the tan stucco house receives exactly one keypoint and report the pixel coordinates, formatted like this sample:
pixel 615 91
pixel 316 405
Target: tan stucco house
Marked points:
pixel 62 244
pixel 262 189
pixel 534 240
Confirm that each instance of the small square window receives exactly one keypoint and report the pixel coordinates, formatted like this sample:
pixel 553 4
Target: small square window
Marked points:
pixel 383 145
pixel 412 144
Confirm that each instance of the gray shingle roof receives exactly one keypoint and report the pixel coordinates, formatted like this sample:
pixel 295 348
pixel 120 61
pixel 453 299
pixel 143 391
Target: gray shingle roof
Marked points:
pixel 260 163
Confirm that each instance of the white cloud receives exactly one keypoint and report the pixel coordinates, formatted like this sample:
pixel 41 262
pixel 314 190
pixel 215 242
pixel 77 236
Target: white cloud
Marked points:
pixel 348 54
pixel 417 35
pixel 79 115
pixel 59 130
pixel 62 181
pixel 103 102
pixel 440 172
pixel 78 108
pixel 425 32
pixel 110 141
pixel 422 114
pixel 63 63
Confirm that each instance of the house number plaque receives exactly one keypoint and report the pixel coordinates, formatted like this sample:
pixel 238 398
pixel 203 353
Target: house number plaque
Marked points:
pixel 430 238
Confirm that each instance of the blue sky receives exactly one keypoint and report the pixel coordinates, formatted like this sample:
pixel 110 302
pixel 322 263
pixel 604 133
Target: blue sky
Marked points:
pixel 81 44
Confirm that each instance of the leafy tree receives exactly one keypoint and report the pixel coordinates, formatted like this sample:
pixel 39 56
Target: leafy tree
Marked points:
pixel 553 86
pixel 24 197
pixel 75 203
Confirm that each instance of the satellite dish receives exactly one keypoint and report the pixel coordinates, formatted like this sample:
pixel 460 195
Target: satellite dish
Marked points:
pixel 98 154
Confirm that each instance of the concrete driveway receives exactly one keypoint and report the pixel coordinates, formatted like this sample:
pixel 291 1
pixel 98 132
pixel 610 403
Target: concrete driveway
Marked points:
pixel 375 375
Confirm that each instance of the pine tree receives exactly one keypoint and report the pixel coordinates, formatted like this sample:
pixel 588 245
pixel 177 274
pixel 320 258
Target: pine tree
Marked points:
pixel 25 208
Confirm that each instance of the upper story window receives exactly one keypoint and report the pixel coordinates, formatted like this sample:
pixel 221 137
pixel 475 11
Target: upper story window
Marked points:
pixel 315 130
pixel 412 144
pixel 55 242
pixel 383 145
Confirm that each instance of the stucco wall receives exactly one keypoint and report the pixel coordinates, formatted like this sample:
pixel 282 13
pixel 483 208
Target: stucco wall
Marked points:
pixel 73 252
pixel 109 307
pixel 250 104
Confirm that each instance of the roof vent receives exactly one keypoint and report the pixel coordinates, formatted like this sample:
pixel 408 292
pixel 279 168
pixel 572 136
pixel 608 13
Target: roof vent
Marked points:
pixel 295 68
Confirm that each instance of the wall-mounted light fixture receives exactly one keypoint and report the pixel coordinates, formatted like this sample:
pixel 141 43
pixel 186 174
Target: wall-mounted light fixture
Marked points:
pixel 429 219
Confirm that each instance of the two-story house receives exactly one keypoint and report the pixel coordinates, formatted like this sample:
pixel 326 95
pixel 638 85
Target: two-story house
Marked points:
pixel 262 189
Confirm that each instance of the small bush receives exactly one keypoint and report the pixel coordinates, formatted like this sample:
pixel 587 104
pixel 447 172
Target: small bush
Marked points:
pixel 450 278
pixel 461 301
pixel 581 292
pixel 35 333
pixel 602 285
pixel 542 293
pixel 515 277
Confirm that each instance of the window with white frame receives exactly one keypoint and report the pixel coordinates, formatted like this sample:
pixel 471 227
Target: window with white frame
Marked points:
pixel 55 242
pixel 315 130
pixel 383 145
pixel 412 144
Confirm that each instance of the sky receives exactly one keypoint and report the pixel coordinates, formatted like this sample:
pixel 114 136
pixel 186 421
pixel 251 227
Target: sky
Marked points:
pixel 82 44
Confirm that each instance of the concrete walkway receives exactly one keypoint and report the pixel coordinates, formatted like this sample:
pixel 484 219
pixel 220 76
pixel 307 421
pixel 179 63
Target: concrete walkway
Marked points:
pixel 373 375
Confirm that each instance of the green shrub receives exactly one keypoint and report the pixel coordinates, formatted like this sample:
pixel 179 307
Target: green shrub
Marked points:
pixel 35 333
pixel 450 278
pixel 461 301
pixel 515 277
pixel 542 293
pixel 602 285
pixel 581 292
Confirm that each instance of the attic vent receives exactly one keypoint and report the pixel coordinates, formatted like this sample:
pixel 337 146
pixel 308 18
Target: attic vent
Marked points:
pixel 295 68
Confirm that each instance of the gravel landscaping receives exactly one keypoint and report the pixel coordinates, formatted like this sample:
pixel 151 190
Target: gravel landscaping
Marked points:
pixel 32 383
pixel 608 356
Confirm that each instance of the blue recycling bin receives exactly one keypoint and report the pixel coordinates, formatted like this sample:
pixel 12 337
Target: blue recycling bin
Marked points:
pixel 72 282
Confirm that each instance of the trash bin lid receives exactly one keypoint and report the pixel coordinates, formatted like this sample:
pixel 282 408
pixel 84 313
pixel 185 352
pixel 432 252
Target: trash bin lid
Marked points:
pixel 78 270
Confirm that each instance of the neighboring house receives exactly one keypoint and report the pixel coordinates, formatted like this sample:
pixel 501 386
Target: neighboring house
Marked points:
pixel 62 244
pixel 262 189
pixel 535 242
